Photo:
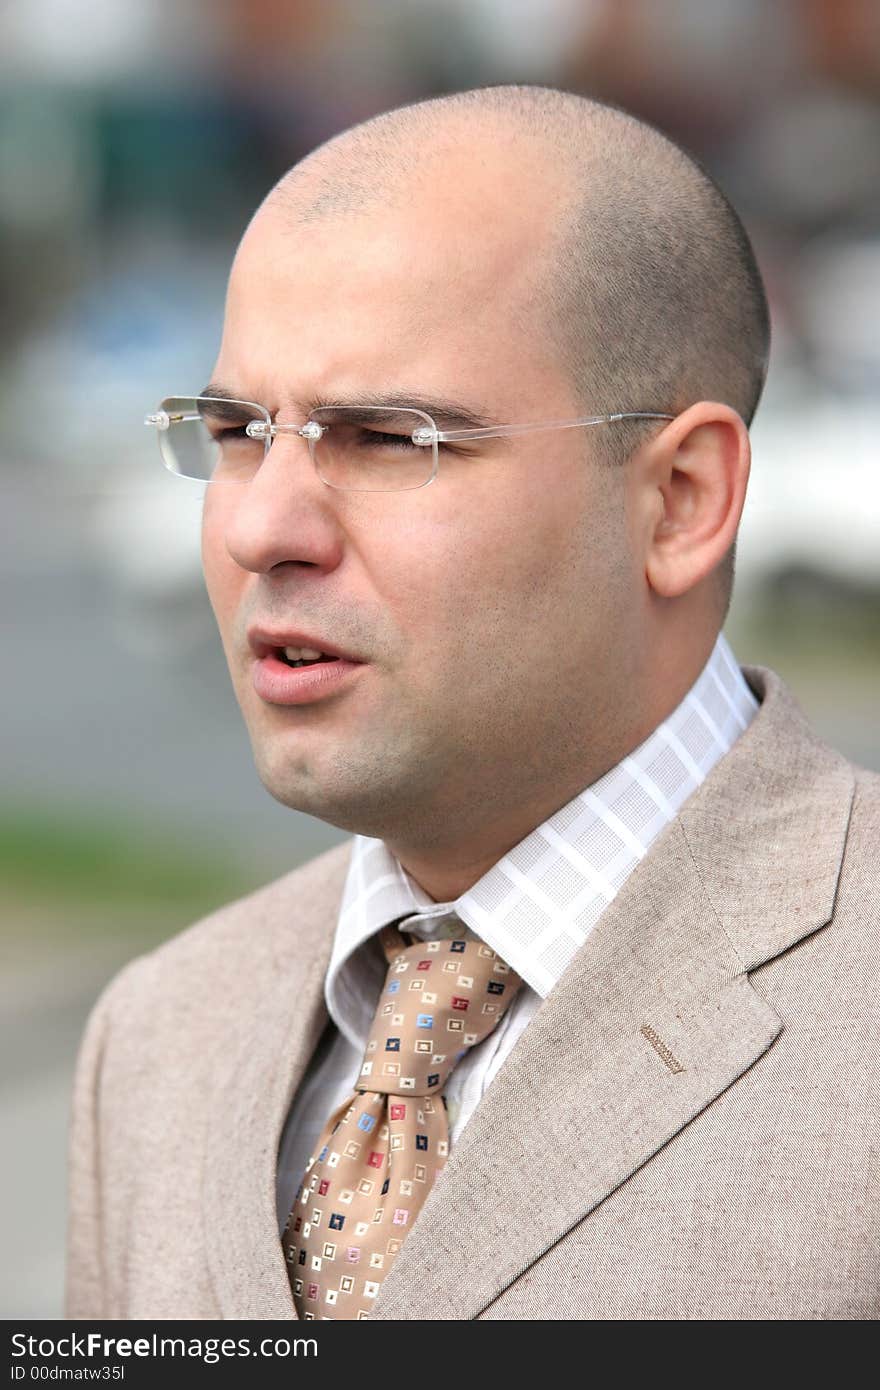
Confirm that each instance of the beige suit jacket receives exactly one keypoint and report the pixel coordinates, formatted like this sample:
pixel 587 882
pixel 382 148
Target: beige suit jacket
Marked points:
pixel 688 1128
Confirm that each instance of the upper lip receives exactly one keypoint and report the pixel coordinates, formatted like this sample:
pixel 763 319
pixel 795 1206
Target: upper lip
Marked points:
pixel 263 641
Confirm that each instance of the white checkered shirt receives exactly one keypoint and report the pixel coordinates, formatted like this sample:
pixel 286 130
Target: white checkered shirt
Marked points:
pixel 535 907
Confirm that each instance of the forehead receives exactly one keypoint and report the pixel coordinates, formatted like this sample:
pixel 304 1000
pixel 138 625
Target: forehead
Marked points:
pixel 423 293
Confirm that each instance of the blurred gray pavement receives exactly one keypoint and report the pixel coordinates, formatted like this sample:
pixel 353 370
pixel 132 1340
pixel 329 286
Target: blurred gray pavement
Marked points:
pixel 87 721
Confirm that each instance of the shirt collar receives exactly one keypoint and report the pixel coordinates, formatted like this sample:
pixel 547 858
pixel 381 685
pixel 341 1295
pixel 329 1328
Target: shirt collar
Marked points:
pixel 537 905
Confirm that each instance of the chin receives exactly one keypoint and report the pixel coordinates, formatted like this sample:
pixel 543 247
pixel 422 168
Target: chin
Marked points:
pixel 321 808
pixel 291 777
pixel 344 807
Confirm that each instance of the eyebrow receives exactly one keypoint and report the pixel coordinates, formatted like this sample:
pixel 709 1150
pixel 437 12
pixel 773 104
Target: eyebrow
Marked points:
pixel 448 414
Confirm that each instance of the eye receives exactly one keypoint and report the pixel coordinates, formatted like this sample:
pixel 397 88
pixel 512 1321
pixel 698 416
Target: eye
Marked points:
pixel 380 439
pixel 228 434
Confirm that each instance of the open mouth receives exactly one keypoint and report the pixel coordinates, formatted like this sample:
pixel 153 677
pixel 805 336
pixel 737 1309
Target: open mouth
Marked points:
pixel 313 661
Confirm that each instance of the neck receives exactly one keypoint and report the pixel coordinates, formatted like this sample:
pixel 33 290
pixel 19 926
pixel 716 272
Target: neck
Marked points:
pixel 445 868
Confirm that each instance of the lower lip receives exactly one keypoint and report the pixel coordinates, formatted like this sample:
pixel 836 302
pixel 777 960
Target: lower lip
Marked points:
pixel 300 685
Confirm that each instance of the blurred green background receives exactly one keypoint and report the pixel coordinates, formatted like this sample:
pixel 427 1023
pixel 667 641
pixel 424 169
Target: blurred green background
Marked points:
pixel 136 138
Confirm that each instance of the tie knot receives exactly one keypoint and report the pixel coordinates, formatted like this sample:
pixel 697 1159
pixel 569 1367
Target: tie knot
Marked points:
pixel 439 999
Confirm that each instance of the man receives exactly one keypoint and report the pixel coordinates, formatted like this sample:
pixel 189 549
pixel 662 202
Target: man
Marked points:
pixel 639 1082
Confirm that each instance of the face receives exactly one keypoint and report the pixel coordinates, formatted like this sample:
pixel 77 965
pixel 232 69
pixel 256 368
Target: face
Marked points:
pixel 492 606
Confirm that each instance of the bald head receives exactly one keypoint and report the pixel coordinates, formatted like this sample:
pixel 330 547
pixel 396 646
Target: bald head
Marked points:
pixel 636 269
pixel 651 288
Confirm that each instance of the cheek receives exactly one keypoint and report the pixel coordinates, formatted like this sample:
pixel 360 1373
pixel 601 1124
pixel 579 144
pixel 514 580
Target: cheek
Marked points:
pixel 491 566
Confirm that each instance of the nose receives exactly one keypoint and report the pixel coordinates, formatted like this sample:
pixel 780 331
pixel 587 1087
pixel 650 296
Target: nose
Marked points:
pixel 284 514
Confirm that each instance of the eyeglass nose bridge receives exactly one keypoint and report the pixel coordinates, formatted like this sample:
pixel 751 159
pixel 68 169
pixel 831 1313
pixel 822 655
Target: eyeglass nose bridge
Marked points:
pixel 258 429
pixel 423 435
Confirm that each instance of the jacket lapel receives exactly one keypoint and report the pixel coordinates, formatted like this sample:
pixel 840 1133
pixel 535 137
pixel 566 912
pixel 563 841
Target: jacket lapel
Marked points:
pixel 654 1017
pixel 277 1027
pixel 650 1022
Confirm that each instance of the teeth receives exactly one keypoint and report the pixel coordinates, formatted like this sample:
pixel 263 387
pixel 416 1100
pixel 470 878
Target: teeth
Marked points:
pixel 302 654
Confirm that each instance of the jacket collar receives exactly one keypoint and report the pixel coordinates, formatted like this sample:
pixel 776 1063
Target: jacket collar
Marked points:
pixel 654 1017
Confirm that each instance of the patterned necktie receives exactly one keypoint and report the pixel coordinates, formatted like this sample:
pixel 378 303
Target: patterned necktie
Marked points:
pixel 381 1150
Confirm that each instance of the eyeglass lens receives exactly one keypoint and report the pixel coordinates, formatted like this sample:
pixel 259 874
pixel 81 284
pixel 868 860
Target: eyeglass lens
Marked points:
pixel 371 449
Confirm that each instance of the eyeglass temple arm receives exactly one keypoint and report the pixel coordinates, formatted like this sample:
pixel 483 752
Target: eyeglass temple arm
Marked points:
pixel 496 431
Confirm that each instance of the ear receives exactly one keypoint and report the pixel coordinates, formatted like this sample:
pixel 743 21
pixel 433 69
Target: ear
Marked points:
pixel 691 484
